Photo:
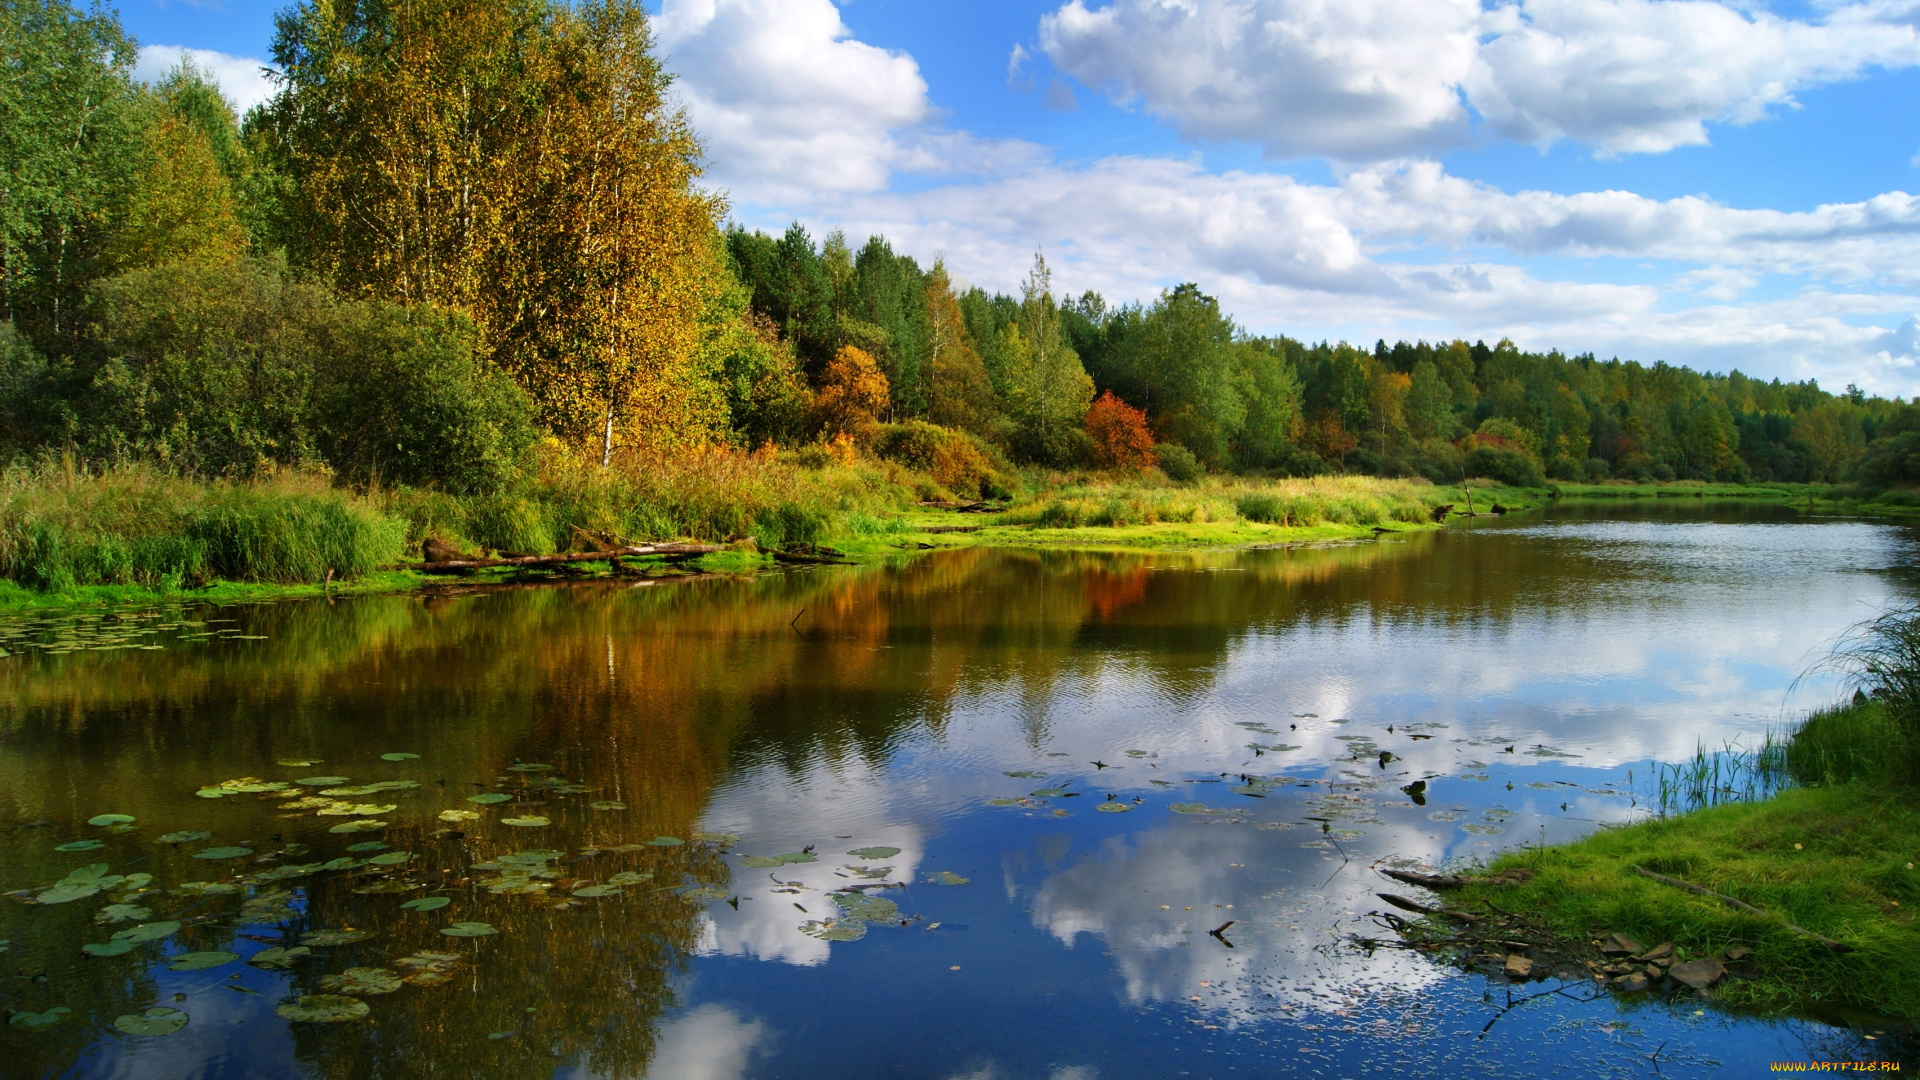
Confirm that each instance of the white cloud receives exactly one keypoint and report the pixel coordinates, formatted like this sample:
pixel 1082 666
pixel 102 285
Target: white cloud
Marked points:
pixel 708 1042
pixel 1372 79
pixel 789 104
pixel 242 79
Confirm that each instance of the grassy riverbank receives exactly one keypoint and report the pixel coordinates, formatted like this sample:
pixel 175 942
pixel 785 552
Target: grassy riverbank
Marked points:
pixel 1836 856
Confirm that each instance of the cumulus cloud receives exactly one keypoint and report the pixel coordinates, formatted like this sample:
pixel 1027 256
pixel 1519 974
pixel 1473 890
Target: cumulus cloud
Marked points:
pixel 789 104
pixel 242 79
pixel 1370 79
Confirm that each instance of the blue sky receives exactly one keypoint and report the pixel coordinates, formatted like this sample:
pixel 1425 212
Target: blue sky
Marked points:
pixel 1721 183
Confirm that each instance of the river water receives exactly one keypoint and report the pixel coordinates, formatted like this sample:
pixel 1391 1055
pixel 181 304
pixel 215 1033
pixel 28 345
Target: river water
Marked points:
pixel 1061 771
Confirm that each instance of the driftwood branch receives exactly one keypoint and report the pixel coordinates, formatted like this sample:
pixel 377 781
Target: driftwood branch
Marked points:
pixel 1426 881
pixel 1405 904
pixel 667 551
pixel 1733 902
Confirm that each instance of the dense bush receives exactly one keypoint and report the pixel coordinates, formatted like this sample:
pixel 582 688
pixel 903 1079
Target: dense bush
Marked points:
pixel 1514 468
pixel 1178 463
pixel 1891 460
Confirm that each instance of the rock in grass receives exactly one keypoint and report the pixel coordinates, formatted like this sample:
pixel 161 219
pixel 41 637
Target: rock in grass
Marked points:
pixel 1699 974
pixel 1662 951
pixel 1631 983
pixel 1620 945
pixel 1519 968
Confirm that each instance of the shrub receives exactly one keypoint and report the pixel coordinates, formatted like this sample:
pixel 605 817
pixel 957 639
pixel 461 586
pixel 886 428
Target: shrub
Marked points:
pixel 1179 463
pixel 853 392
pixel 1119 435
pixel 1882 658
pixel 1563 467
pixel 1595 468
pixel 1511 467
pixel 1890 460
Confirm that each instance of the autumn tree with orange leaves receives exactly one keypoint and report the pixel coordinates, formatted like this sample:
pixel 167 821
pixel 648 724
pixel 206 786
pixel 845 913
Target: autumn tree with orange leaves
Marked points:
pixel 1121 439
pixel 853 392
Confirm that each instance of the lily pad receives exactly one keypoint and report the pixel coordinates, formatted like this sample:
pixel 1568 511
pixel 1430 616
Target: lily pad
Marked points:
pixel 322 781
pixel 111 819
pixel 357 810
pixel 1478 829
pixel 322 1009
pixel 870 908
pixel 429 968
pixel 724 839
pixel 529 767
pixel 324 938
pixel 362 980
pixel 835 929
pixel 114 913
pixel 947 877
pixel 357 827
pixel 790 858
pixel 631 877
pixel 148 931
pixel 874 852
pixel 109 948
pixel 34 1021
pixel 368 845
pixel 186 837
pixel 201 961
pixel 66 894
pixel 298 763
pixel 459 815
pixel 605 804
pixel 278 958
pixel 1114 807
pixel 1027 774
pixel 81 845
pixel 399 757
pixel 392 858
pixel 525 822
pixel 594 892
pixel 156 1022
pixel 1195 808
pixel 217 854
pixel 427 903
pixel 665 841
pixel 703 892
pixel 1048 793
pixel 469 929
pixel 488 798
pixel 342 863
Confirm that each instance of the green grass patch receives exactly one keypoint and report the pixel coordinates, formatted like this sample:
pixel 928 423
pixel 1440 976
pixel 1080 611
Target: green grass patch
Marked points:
pixel 1839 861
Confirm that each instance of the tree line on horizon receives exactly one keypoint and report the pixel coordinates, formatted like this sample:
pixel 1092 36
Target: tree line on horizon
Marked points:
pixel 460 227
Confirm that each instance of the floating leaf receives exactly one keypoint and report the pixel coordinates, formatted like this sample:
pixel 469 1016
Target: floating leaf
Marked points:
pixel 870 908
pixel 81 845
pixel 201 961
pixel 185 837
pixel 724 839
pixel 148 932
pixel 34 1021
pixel 368 845
pixel 835 929
pixel 114 913
pixel 459 815
pixel 324 938
pixel 947 877
pixel 392 858
pixel 372 789
pixel 427 903
pixel 607 805
pixel 357 810
pixel 630 877
pixel 790 858
pixel 321 781
pixel 488 798
pixel 529 767
pixel 399 757
pixel 342 863
pixel 109 948
pixel 594 892
pixel 357 826
pixel 1048 793
pixel 1478 829
pixel 156 1022
pixel 66 894
pixel 665 841
pixel 469 929
pixel 322 1009
pixel 362 980
pixel 871 873
pixel 525 822
pixel 298 763
pixel 278 958
pixel 429 968
pixel 1195 808
pixel 111 819
pixel 874 852
pixel 703 892
pixel 1027 774
pixel 1114 807
pixel 217 854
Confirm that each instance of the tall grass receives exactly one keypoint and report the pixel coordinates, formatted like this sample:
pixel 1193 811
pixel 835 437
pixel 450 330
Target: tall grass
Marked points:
pixel 63 526
pixel 1315 501
pixel 1881 658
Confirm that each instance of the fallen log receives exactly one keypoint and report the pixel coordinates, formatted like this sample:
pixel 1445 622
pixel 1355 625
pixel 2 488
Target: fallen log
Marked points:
pixel 1742 905
pixel 665 551
pixel 1405 904
pixel 1426 881
pixel 807 560
pixel 952 528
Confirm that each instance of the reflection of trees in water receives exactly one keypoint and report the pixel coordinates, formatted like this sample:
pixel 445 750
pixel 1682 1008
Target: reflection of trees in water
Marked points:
pixel 646 694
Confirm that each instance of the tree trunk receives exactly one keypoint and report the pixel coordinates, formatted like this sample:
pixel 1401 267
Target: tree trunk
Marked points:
pixel 606 441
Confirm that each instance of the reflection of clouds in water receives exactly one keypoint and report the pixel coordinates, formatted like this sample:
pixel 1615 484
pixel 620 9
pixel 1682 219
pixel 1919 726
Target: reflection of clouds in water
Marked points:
pixel 710 1042
pixel 835 809
pixel 993 1071
pixel 223 1030
pixel 1134 894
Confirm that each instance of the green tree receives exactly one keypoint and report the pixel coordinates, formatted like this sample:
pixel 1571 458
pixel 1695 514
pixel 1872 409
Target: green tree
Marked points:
pixel 1038 376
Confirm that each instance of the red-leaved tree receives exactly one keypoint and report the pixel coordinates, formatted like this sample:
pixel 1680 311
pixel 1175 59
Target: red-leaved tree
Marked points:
pixel 1120 436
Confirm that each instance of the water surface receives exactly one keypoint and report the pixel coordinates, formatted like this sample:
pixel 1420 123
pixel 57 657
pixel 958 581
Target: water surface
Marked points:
pixel 1085 762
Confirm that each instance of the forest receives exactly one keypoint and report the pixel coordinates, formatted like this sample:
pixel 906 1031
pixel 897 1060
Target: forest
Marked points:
pixel 465 235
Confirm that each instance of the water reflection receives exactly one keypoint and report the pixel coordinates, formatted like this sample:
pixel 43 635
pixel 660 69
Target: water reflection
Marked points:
pixel 1519 669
